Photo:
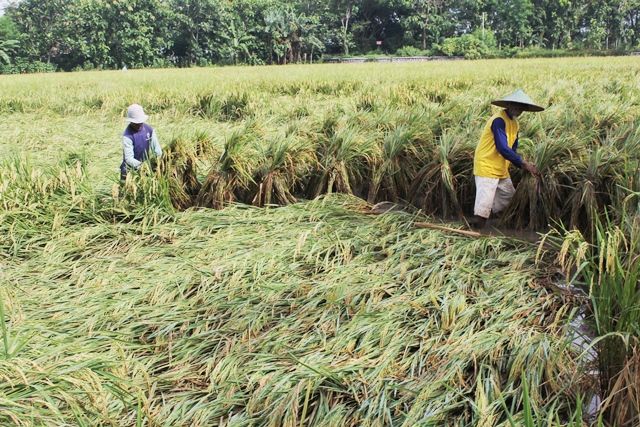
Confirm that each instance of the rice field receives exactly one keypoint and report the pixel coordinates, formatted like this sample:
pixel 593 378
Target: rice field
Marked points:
pixel 240 280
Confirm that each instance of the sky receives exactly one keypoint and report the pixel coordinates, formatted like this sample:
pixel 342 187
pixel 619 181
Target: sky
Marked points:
pixel 3 4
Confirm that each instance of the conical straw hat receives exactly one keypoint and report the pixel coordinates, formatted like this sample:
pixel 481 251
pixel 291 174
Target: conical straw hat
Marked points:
pixel 520 99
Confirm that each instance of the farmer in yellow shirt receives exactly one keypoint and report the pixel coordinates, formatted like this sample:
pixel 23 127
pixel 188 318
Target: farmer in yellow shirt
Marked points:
pixel 495 151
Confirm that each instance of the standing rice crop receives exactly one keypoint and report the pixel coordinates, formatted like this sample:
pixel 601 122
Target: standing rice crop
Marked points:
pixel 608 268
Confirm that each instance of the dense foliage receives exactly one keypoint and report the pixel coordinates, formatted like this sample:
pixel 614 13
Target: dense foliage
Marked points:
pixel 111 34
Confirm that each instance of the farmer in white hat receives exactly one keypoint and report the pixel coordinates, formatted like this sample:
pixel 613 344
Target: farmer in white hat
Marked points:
pixel 138 140
pixel 496 150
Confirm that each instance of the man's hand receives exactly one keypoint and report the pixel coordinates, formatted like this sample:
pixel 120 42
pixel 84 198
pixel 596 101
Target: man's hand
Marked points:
pixel 531 168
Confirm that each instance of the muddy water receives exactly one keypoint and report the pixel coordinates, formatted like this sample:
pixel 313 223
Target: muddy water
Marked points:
pixel 494 229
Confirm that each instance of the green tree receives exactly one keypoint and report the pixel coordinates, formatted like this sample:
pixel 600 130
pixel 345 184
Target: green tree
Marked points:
pixel 288 32
pixel 7 50
pixel 8 39
pixel 238 42
pixel 111 33
pixel 346 10
pixel 200 27
pixel 89 46
pixel 427 18
pixel 44 26
pixel 555 23
pixel 137 31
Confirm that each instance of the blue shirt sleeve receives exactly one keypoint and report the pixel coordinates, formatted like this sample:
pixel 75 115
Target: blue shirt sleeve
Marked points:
pixel 498 128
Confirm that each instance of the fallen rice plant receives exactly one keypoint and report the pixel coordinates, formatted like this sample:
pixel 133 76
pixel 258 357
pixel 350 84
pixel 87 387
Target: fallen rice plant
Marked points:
pixel 309 314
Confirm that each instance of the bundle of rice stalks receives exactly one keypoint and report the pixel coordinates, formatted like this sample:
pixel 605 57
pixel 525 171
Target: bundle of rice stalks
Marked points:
pixel 539 200
pixel 146 188
pixel 283 161
pixel 232 174
pixel 203 143
pixel 446 178
pixel 178 164
pixel 206 106
pixel 235 106
pixel 232 107
pixel 623 403
pixel 367 102
pixel 342 154
pixel 595 179
pixel 391 177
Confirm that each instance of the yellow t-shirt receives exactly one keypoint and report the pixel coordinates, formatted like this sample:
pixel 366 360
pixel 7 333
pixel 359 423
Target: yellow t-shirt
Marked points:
pixel 487 161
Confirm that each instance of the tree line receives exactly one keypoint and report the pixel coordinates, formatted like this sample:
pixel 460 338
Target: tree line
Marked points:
pixel 71 34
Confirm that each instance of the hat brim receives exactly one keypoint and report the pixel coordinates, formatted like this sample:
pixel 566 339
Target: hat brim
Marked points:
pixel 525 107
pixel 137 121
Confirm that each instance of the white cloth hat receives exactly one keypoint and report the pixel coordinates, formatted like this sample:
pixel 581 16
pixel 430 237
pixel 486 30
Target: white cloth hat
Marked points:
pixel 520 99
pixel 135 114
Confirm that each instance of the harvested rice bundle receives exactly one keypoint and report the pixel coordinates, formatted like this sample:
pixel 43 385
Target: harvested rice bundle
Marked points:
pixel 596 176
pixel 539 200
pixel 343 153
pixel 283 161
pixel 446 178
pixel 391 177
pixel 228 177
pixel 179 165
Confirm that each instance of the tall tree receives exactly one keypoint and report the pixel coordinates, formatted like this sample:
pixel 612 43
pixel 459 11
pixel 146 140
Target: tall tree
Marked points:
pixel 428 17
pixel 510 20
pixel 555 23
pixel 44 26
pixel 238 41
pixel 8 39
pixel 346 9
pixel 138 30
pixel 199 30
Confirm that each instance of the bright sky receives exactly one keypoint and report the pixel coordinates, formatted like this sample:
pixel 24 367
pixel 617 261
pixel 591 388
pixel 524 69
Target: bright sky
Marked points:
pixel 3 4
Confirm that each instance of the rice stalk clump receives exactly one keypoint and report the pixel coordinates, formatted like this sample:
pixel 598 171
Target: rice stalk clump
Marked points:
pixel 596 176
pixel 343 154
pixel 146 188
pixel 232 174
pixel 445 176
pixel 234 106
pixel 392 175
pixel 539 200
pixel 281 165
pixel 178 164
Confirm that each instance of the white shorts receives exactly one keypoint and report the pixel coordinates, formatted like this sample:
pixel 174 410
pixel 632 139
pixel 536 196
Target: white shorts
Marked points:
pixel 492 195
